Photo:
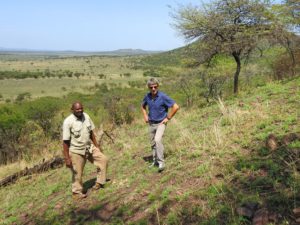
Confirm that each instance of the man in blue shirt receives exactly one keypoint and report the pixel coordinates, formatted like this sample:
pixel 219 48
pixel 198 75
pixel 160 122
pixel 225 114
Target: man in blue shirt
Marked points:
pixel 158 104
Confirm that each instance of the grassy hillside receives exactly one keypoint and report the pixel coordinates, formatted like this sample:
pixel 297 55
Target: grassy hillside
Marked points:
pixel 216 162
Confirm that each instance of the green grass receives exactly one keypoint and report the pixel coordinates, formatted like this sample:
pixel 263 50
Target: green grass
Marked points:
pixel 216 160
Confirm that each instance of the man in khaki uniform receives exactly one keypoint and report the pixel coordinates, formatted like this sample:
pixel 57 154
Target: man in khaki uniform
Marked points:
pixel 79 144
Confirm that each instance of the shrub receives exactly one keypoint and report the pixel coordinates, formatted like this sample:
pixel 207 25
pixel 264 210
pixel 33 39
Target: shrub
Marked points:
pixel 284 66
pixel 21 97
pixel 31 140
pixel 11 123
pixel 42 111
pixel 213 87
pixel 151 73
pixel 101 76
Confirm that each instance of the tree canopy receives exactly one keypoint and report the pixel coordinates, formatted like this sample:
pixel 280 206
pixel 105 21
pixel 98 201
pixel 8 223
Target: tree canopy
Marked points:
pixel 232 27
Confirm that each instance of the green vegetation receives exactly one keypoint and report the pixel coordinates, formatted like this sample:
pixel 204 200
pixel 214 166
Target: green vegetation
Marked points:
pixel 212 168
pixel 216 156
pixel 217 160
pixel 237 28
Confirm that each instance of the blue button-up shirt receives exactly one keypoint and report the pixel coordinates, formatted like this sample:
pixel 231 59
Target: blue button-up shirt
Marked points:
pixel 158 106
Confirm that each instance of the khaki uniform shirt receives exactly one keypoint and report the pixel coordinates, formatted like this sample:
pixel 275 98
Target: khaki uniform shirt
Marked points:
pixel 78 132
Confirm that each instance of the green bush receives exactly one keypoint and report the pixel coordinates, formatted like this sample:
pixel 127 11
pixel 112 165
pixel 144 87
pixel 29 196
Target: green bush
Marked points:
pixel 151 73
pixel 21 97
pixel 42 111
pixel 11 123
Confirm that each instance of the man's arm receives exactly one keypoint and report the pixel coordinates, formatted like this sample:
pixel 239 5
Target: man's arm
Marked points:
pixel 173 111
pixel 144 111
pixel 66 146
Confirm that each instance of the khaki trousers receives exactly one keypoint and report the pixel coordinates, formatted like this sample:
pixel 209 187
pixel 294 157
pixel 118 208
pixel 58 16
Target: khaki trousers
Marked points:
pixel 156 132
pixel 97 158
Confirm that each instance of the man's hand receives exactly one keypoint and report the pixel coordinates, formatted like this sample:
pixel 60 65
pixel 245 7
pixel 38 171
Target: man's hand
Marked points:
pixel 174 109
pixel 165 121
pixel 146 119
pixel 68 162
pixel 144 111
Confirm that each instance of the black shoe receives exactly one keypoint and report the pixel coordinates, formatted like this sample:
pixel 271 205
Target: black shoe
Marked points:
pixel 160 169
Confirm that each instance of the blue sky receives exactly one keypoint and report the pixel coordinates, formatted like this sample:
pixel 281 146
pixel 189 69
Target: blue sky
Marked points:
pixel 89 25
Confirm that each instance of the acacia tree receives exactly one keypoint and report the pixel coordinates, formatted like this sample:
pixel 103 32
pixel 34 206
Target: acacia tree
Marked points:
pixel 232 27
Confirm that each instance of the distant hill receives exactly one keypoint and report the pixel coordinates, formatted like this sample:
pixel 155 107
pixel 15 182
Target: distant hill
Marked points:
pixel 175 57
pixel 119 52
pixel 130 51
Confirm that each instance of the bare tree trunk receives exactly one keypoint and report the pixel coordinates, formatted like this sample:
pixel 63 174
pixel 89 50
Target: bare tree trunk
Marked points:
pixel 236 56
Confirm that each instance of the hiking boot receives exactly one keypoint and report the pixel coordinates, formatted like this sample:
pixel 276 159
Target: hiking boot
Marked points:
pixel 78 196
pixel 97 186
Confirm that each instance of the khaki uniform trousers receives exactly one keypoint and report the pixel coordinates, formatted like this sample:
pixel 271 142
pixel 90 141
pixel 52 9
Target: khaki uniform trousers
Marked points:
pixel 96 157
